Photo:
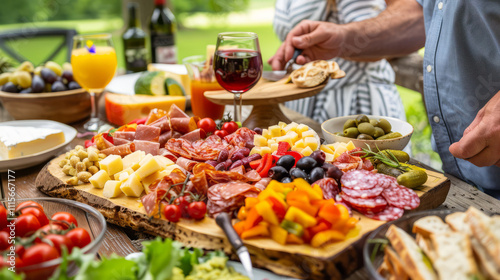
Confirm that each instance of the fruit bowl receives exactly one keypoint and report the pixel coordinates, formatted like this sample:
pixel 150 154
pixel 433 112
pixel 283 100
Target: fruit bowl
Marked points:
pixel 331 126
pixel 84 215
pixel 65 106
pixel 373 258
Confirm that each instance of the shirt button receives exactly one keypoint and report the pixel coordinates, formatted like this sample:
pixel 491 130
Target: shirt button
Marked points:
pixel 429 68
pixel 435 119
pixel 440 5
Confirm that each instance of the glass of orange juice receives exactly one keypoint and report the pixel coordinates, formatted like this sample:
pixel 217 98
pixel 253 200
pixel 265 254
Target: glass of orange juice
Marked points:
pixel 202 78
pixel 93 59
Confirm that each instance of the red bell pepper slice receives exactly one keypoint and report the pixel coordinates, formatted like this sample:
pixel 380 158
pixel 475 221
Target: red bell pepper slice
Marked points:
pixel 268 164
pixel 139 121
pixel 295 154
pixel 278 208
pixel 262 163
pixel 283 147
pixel 254 164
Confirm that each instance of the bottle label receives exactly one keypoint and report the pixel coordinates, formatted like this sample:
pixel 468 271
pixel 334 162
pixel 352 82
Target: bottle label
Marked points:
pixel 136 58
pixel 164 48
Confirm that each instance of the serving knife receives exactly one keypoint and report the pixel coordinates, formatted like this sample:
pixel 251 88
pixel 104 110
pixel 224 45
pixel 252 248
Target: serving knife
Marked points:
pixel 280 74
pixel 224 222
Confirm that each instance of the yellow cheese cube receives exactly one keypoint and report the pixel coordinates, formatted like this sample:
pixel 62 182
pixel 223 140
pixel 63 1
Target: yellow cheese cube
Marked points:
pixel 132 186
pixel 329 157
pixel 326 149
pixel 281 124
pixel 124 176
pixel 112 189
pixel 308 133
pixel 312 143
pixel 350 146
pixel 271 141
pixel 293 136
pixel 299 144
pixel 153 177
pixel 133 159
pixel 285 138
pixel 331 146
pixel 297 149
pixel 163 161
pixel 302 128
pixel 274 147
pixel 266 133
pixel 265 150
pixel 259 140
pixel 307 151
pixel 148 168
pixel 255 150
pixel 99 179
pixel 128 171
pixel 146 158
pixel 290 127
pixel 170 168
pixel 275 131
pixel 111 164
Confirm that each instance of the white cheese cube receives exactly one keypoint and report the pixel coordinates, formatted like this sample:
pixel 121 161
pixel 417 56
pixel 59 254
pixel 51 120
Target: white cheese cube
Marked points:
pixel 147 158
pixel 133 160
pixel 281 124
pixel 329 157
pixel 259 140
pixel 112 189
pixel 312 143
pixel 274 147
pixel 128 171
pixel 309 133
pixel 147 168
pixel 111 164
pixel 132 186
pixel 99 179
pixel 123 176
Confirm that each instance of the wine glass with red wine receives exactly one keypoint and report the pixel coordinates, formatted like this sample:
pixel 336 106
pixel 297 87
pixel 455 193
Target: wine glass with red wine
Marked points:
pixel 237 64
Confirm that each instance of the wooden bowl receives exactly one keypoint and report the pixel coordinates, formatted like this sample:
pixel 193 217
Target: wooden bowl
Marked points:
pixel 331 126
pixel 65 106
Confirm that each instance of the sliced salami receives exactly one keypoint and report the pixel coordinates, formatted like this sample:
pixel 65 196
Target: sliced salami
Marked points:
pixel 366 193
pixel 390 213
pixel 359 179
pixel 375 204
pixel 401 197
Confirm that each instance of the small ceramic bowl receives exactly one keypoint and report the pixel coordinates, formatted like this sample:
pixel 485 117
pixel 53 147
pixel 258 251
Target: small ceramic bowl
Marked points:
pixel 334 125
pixel 65 106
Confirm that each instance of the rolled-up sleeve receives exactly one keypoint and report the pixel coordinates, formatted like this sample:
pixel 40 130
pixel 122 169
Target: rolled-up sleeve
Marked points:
pixel 289 13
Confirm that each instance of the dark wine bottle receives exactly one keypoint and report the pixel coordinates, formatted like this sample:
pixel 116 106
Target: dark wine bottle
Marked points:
pixel 134 43
pixel 162 30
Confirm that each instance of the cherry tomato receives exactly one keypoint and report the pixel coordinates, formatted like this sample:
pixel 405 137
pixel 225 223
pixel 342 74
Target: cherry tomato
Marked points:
pixel 221 133
pixel 64 217
pixel 60 241
pixel 39 253
pixel 37 212
pixel 197 210
pixel 230 127
pixel 4 240
pixel 3 217
pixel 79 237
pixel 183 203
pixel 172 213
pixel 4 262
pixel 19 250
pixel 26 224
pixel 51 228
pixel 28 203
pixel 207 124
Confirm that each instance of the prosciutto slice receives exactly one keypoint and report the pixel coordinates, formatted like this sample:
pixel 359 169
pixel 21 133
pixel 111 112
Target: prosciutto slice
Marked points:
pixel 227 197
pixel 147 133
pixel 127 135
pixel 147 146
pixel 121 150
pixel 162 189
pixel 194 151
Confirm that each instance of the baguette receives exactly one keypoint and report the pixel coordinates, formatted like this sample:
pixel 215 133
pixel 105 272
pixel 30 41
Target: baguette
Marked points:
pixel 410 254
pixel 486 265
pixel 453 256
pixel 486 231
pixel 430 225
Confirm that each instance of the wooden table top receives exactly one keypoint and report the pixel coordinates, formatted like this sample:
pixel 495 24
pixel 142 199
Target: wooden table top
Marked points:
pixel 125 241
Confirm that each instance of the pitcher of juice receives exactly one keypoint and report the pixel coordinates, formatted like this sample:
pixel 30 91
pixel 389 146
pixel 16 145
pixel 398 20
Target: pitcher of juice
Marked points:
pixel 202 78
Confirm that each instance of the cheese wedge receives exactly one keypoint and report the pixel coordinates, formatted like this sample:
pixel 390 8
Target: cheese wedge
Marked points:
pixel 18 141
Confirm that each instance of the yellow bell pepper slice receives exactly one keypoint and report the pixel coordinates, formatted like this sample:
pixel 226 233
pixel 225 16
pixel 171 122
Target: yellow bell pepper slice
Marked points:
pixel 344 216
pixel 278 234
pixel 294 239
pixel 250 202
pixel 263 195
pixel 238 227
pixel 330 212
pixel 294 214
pixel 259 230
pixel 242 213
pixel 265 210
pixel 323 237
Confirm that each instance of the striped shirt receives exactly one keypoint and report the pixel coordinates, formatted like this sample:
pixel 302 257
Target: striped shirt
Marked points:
pixel 367 88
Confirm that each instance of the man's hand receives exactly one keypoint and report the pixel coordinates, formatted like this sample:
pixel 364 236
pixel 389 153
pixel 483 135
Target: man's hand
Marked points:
pixel 319 40
pixel 480 143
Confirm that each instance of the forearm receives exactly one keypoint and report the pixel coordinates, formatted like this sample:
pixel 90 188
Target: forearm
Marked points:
pixel 397 31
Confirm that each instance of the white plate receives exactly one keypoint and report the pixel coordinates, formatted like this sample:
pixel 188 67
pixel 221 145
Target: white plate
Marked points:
pixel 34 159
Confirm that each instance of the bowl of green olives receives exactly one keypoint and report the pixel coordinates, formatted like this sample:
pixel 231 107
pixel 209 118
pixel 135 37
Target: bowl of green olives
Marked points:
pixel 375 131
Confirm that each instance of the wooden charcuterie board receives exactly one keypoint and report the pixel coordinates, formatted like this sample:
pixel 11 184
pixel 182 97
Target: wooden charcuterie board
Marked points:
pixel 333 261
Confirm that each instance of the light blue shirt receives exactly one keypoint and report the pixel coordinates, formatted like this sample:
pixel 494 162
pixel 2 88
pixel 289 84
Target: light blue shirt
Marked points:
pixel 461 73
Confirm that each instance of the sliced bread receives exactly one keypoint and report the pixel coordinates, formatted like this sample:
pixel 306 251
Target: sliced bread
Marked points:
pixel 486 231
pixel 457 222
pixel 426 245
pixel 430 224
pixel 486 265
pixel 410 254
pixel 398 270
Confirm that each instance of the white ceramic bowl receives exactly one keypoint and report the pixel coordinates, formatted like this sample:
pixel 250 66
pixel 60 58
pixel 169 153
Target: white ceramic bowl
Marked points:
pixel 331 126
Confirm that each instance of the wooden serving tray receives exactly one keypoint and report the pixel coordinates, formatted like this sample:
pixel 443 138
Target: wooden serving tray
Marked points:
pixel 334 261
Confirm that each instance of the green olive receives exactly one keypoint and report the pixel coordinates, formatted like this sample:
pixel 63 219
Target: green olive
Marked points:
pixel 374 122
pixel 351 132
pixel 378 132
pixel 390 136
pixel 385 125
pixel 363 136
pixel 339 134
pixel 366 128
pixel 349 123
pixel 362 119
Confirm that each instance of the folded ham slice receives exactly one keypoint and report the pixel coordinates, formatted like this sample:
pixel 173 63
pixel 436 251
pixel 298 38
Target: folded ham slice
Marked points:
pixel 193 135
pixel 176 112
pixel 127 135
pixel 183 125
pixel 227 197
pixel 120 141
pixel 147 146
pixel 147 133
pixel 186 163
pixel 162 123
pixel 121 150
pixel 166 153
